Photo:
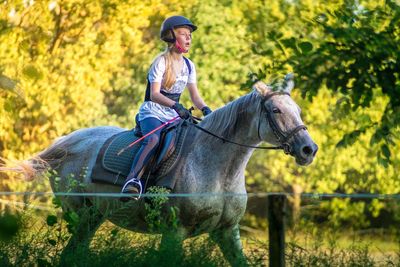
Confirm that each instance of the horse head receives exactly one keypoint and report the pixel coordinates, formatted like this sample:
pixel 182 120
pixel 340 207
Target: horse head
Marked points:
pixel 280 122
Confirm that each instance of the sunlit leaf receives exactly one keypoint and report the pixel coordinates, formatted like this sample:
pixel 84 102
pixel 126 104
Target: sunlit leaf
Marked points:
pixel 32 72
pixel 7 83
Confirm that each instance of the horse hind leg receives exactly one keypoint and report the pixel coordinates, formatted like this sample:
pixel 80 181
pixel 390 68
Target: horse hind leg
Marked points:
pixel 83 231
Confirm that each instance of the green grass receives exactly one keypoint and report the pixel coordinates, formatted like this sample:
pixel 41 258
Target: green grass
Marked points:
pixel 112 246
pixel 31 239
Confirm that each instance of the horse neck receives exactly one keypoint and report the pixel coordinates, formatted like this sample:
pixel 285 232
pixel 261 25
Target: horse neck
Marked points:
pixel 237 122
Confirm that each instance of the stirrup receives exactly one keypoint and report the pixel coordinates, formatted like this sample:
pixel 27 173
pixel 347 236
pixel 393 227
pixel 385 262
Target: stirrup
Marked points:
pixel 134 182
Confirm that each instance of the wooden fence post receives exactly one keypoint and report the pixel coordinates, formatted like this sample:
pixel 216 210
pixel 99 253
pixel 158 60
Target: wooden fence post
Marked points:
pixel 276 229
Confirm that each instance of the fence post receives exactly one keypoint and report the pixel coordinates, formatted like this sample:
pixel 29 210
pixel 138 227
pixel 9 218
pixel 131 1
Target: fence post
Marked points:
pixel 276 229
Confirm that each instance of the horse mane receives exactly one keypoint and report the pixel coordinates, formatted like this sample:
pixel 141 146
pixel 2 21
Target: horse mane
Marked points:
pixel 227 119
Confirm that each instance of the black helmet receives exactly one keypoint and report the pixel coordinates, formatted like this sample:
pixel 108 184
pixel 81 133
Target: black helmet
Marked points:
pixel 171 23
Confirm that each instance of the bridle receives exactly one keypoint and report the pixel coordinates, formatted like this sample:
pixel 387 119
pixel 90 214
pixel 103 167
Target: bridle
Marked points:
pixel 280 135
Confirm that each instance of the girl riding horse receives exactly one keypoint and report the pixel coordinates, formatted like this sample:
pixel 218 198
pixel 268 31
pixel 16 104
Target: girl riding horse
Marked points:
pixel 169 74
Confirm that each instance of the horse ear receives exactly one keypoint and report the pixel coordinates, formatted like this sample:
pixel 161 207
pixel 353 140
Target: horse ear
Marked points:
pixel 262 88
pixel 288 83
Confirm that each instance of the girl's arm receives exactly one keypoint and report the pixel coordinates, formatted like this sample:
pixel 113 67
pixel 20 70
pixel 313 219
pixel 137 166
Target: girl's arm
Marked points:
pixel 156 96
pixel 195 96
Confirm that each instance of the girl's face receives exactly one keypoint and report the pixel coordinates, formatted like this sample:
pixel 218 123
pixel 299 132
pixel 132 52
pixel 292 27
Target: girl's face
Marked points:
pixel 183 37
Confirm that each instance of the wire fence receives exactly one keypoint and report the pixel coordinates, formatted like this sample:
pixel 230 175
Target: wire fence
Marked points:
pixel 206 194
pixel 304 196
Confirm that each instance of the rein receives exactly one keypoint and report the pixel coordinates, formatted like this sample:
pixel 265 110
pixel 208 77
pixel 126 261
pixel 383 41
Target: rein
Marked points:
pixel 281 136
pixel 235 143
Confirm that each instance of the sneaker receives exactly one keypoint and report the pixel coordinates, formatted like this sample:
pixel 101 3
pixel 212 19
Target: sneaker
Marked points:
pixel 132 186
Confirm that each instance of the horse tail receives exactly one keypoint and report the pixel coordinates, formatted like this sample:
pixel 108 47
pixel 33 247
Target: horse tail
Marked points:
pixel 38 165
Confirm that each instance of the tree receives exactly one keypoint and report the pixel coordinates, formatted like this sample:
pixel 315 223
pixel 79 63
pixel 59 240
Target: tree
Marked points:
pixel 355 55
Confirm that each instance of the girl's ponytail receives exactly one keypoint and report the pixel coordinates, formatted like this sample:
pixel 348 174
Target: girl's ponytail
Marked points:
pixel 169 78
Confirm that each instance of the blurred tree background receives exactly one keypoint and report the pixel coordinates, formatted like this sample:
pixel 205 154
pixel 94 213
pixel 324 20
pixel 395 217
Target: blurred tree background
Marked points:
pixel 66 65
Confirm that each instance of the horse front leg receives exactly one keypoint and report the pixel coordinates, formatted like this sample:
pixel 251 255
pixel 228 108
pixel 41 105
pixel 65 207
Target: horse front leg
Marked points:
pixel 230 245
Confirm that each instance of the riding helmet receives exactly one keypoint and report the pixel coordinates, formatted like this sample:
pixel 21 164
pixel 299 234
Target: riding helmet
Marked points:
pixel 171 23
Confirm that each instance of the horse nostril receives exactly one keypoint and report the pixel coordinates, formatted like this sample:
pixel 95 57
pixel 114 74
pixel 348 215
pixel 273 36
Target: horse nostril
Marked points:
pixel 307 150
pixel 315 150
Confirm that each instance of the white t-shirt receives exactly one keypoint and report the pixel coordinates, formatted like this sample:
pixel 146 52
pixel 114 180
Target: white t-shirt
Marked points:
pixel 156 74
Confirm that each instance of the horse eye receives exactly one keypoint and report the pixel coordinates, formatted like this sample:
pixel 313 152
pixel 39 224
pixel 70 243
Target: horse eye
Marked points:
pixel 276 110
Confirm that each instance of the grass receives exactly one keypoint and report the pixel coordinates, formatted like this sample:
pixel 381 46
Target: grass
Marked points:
pixel 112 246
pixel 142 250
pixel 38 239
pixel 324 246
pixel 39 242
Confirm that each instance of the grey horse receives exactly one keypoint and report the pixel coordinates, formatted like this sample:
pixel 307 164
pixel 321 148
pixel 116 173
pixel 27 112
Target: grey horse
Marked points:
pixel 207 165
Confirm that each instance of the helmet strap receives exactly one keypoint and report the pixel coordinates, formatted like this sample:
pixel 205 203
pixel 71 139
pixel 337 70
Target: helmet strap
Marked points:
pixel 180 48
pixel 177 45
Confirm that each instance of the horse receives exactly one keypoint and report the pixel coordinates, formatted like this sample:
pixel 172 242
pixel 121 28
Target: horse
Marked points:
pixel 207 165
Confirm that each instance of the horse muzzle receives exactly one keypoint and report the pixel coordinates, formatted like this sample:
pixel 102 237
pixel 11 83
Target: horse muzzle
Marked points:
pixel 304 152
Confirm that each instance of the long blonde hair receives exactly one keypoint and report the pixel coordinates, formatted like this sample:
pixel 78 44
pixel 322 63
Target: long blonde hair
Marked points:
pixel 169 75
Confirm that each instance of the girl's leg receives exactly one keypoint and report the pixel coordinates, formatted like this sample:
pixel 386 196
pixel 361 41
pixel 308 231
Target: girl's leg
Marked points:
pixel 145 153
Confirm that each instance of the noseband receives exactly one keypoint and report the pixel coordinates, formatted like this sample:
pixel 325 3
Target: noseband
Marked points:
pixel 282 137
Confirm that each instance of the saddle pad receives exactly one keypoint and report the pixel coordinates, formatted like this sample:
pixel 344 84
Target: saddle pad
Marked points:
pixel 121 163
pixel 112 168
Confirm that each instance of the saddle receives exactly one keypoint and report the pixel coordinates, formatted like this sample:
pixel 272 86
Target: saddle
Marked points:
pixel 114 160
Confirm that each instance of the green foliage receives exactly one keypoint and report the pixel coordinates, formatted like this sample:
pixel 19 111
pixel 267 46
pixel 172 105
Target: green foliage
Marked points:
pixel 339 52
pixel 332 256
pixel 354 52
pixel 156 217
pixel 351 138
pixel 51 220
pixel 72 219
pixel 42 245
pixel 66 65
pixel 10 224
pixel 39 244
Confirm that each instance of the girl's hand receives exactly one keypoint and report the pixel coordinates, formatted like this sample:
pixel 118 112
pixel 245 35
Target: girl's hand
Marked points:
pixel 181 110
pixel 206 110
